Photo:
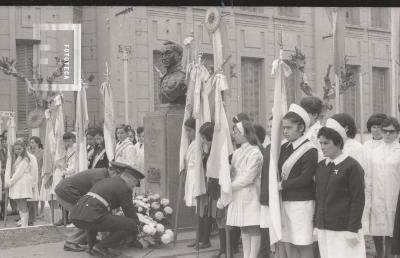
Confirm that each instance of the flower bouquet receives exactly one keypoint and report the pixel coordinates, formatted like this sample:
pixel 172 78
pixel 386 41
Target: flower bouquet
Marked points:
pixel 154 213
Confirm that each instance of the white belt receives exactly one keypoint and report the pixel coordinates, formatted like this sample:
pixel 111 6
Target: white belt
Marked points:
pixel 99 198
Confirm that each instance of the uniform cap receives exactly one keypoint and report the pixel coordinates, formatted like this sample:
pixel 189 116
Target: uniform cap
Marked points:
pixel 301 112
pixel 334 125
pixel 128 169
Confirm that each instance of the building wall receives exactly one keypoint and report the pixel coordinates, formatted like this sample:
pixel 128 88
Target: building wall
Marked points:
pixel 254 35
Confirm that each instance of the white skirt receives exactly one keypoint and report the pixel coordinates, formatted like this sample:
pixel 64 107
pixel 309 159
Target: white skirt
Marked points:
pixel 265 217
pixel 334 244
pixel 244 210
pixel 22 189
pixel 297 222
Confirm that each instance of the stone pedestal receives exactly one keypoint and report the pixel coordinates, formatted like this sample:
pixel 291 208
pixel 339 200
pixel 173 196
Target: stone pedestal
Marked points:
pixel 162 141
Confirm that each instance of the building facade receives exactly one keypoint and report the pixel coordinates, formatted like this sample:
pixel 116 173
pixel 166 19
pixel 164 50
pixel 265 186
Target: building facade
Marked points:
pixel 254 36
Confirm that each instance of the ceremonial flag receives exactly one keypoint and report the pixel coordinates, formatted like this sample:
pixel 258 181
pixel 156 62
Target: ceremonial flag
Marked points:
pixel 280 70
pixel 395 56
pixel 109 122
pixel 81 125
pixel 11 138
pixel 59 152
pixel 218 161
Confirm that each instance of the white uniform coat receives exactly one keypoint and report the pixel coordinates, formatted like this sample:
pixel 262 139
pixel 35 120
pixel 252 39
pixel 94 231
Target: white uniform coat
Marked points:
pixel 21 181
pixel 190 183
pixel 35 177
pixel 359 152
pixel 385 188
pixel 125 152
pixel 244 210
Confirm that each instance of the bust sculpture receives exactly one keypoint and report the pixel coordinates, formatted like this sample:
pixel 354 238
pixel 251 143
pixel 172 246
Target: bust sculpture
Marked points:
pixel 173 83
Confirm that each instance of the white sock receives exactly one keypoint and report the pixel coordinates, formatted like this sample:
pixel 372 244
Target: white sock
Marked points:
pixel 24 219
pixel 255 243
pixel 246 244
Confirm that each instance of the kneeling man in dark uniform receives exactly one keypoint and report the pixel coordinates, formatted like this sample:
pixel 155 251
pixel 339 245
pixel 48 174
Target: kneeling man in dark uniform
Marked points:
pixel 92 211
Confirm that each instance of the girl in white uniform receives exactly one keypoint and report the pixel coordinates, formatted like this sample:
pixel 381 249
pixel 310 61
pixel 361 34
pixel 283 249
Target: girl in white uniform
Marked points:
pixel 244 210
pixel 125 151
pixel 340 197
pixel 297 162
pixel 20 182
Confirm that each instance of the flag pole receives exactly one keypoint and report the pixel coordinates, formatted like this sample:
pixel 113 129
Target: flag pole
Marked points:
pixel 361 108
pixel 125 60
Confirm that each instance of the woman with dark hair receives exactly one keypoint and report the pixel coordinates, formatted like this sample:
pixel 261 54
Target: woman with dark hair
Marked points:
pixel 124 150
pixel 21 181
pixel 374 126
pixel 244 210
pixel 385 186
pixel 339 197
pixel 36 148
pixel 359 152
pixel 100 159
pixel 297 162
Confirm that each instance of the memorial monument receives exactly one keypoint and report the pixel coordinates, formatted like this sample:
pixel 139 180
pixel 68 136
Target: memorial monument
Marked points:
pixel 163 132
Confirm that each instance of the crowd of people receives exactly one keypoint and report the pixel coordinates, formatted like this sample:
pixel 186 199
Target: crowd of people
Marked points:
pixel 334 189
pixel 29 187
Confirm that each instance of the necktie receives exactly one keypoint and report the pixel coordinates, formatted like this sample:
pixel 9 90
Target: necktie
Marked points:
pixel 290 147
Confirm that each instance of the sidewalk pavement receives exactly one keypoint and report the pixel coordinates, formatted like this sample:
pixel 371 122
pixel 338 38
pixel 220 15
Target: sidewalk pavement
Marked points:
pixel 55 250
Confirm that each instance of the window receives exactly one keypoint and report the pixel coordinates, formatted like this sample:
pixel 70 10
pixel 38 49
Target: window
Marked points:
pixel 24 65
pixel 380 17
pixel 353 16
pixel 251 88
pixel 289 11
pixel 252 9
pixel 380 90
pixel 351 97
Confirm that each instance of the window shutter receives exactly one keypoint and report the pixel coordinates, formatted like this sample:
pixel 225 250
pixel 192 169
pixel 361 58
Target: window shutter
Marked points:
pixel 380 90
pixel 25 101
pixel 251 87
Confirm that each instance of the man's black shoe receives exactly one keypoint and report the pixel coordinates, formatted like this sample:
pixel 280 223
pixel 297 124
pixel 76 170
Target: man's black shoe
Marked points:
pixel 72 247
pixel 204 245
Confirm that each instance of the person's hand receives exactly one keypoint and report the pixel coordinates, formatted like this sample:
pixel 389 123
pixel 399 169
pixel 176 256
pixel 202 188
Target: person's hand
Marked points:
pixel 280 186
pixel 352 238
pixel 220 205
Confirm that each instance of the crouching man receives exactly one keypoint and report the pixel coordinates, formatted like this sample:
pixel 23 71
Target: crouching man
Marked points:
pixel 71 189
pixel 92 211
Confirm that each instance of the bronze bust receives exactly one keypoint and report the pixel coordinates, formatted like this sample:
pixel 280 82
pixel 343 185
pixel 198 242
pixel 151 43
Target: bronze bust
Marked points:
pixel 173 83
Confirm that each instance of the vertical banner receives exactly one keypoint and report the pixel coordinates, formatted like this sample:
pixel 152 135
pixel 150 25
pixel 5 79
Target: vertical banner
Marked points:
pixel 395 56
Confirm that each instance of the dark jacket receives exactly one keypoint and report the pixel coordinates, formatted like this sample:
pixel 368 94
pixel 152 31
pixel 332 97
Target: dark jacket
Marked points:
pixel 72 188
pixel 102 162
pixel 264 191
pixel 115 191
pixel 340 196
pixel 299 186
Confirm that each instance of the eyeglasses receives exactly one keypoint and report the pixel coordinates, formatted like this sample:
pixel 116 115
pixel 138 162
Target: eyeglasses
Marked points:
pixel 384 131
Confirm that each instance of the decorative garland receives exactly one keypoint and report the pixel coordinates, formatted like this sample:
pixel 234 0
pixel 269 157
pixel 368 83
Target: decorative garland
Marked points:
pixel 347 79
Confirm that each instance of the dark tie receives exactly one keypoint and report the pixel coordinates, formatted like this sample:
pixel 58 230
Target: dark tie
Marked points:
pixel 331 165
pixel 290 147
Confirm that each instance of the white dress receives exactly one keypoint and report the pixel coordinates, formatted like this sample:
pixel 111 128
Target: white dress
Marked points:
pixel 35 177
pixel 244 210
pixel 21 181
pixel 190 182
pixel 385 188
pixel 125 152
pixel 360 153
